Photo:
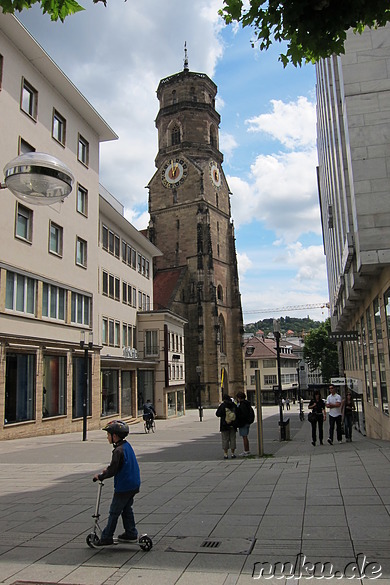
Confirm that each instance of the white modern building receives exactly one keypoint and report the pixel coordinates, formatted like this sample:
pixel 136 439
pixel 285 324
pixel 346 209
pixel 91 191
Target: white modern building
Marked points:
pixel 353 121
pixel 73 275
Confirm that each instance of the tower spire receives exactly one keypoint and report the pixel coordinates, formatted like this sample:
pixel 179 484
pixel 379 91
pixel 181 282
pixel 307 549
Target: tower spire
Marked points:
pixel 185 68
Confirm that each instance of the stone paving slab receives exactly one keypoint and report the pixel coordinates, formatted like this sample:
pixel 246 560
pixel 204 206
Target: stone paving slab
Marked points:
pixel 331 502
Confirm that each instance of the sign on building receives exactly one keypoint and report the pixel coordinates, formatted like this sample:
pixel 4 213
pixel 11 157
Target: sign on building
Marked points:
pixel 344 336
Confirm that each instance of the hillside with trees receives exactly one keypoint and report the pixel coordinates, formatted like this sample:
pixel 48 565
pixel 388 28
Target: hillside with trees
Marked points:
pixel 298 326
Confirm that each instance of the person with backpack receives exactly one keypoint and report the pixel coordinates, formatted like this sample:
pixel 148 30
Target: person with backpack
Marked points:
pixel 227 412
pixel 245 417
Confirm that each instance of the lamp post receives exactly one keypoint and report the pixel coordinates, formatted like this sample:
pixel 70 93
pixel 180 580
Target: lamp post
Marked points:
pixel 277 339
pixel 199 371
pixel 86 347
pixel 38 178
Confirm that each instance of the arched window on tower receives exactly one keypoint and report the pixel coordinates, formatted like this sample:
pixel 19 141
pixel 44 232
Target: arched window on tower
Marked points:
pixel 213 136
pixel 220 293
pixel 175 135
pixel 222 334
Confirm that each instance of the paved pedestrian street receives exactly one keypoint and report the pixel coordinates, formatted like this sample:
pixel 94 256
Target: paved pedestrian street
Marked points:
pixel 278 519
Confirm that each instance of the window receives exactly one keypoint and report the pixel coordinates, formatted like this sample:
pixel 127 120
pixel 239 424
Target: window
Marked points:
pixel 83 151
pixel 53 302
pixel 270 380
pixel 54 386
pixel 134 303
pixel 55 239
pixel 19 387
pixel 110 392
pixel 59 128
pixel 20 293
pixel 80 309
pixel 175 136
pixel 253 364
pixel 82 200
pixel 81 252
pixel 105 237
pixel 151 344
pixel 78 383
pixel 29 99
pixel 253 380
pixel 25 147
pixel 23 223
pixel 105 283
pixel 140 300
pixel 269 363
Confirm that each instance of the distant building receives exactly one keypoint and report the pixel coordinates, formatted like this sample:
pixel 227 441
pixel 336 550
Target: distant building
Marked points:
pixel 260 354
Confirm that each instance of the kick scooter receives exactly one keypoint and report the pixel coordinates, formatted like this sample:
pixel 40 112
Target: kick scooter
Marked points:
pixel 93 538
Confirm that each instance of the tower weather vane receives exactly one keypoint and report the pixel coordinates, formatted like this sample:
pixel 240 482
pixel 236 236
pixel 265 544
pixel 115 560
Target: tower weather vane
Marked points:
pixel 185 57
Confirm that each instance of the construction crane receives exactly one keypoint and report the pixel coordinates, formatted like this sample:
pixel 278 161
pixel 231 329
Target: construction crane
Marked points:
pixel 324 305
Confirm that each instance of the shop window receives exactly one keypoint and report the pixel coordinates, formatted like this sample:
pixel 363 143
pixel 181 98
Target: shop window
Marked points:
pixel 78 383
pixel 19 388
pixel 110 392
pixel 54 386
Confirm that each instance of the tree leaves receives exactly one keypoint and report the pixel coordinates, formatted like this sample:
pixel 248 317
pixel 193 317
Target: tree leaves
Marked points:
pixel 312 29
pixel 320 352
pixel 57 9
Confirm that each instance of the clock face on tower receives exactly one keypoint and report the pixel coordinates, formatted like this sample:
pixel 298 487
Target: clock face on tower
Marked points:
pixel 174 172
pixel 215 173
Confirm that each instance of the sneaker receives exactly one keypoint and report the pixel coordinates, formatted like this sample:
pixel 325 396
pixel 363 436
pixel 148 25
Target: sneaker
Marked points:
pixel 124 538
pixel 233 456
pixel 105 542
pixel 330 441
pixel 321 443
pixel 225 457
pixel 313 443
pixel 245 454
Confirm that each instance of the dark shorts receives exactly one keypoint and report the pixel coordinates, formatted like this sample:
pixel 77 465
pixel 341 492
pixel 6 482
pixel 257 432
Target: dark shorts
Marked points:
pixel 244 431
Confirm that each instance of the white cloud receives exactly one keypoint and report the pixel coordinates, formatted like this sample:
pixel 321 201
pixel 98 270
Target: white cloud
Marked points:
pixel 227 145
pixel 244 264
pixel 292 124
pixel 281 193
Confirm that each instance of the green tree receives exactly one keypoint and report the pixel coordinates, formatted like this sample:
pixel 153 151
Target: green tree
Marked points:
pixel 320 352
pixel 312 29
pixel 57 9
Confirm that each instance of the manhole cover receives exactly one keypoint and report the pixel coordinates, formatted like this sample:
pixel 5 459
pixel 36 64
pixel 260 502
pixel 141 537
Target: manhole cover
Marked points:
pixel 227 546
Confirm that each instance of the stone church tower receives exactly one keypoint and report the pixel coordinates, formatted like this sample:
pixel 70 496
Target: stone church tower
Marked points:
pixel 190 222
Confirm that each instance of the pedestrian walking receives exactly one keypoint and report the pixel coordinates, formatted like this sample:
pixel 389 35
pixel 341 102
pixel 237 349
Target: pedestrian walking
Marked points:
pixel 333 402
pixel 125 471
pixel 227 412
pixel 287 404
pixel 317 417
pixel 245 417
pixel 347 411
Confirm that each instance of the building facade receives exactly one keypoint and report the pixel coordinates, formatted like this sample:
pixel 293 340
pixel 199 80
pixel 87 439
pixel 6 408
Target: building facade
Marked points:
pixel 190 222
pixel 74 276
pixel 353 125
pixel 260 354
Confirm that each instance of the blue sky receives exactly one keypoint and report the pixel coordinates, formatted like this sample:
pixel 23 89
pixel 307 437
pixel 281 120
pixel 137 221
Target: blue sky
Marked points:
pixel 116 57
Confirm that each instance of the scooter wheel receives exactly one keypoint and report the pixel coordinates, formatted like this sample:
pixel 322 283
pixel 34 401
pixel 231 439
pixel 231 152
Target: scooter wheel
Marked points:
pixel 145 543
pixel 92 540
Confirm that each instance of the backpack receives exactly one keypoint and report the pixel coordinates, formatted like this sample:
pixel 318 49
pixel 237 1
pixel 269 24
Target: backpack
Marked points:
pixel 230 416
pixel 251 416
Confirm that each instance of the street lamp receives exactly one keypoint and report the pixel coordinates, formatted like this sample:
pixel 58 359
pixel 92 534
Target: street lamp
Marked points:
pixel 38 178
pixel 199 371
pixel 277 339
pixel 86 347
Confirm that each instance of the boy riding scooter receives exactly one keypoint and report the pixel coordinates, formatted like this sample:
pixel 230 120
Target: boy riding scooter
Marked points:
pixel 125 471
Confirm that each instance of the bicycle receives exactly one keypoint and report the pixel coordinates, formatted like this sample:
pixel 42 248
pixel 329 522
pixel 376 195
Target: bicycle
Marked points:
pixel 149 425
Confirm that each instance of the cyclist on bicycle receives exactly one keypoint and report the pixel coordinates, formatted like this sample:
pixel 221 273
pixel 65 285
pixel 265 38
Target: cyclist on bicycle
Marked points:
pixel 149 411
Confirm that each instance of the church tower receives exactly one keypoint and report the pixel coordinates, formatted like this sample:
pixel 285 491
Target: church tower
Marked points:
pixel 190 222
